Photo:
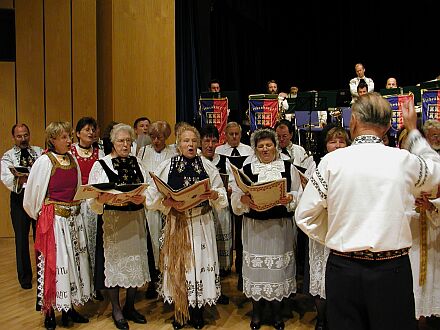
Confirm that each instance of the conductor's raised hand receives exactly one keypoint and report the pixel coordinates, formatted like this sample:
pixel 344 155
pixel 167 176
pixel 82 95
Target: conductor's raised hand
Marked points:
pixel 409 115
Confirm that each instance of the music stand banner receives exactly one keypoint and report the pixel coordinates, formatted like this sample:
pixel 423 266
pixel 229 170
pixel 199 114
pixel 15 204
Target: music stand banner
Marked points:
pixel 263 113
pixel 396 102
pixel 430 105
pixel 215 112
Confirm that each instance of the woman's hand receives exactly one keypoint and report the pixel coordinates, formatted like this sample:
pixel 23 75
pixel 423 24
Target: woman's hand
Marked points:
pixel 211 194
pixel 170 202
pixel 104 197
pixel 247 200
pixel 138 199
pixel 286 199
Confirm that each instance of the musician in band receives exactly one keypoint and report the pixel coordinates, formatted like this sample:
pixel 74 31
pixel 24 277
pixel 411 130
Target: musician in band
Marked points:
pixel 272 88
pixel 357 203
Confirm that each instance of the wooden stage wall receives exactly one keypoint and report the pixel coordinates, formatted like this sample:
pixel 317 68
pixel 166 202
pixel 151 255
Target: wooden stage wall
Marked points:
pixel 110 59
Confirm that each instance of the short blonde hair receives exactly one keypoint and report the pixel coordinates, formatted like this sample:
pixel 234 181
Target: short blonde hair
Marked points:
pixel 185 128
pixel 55 129
pixel 121 128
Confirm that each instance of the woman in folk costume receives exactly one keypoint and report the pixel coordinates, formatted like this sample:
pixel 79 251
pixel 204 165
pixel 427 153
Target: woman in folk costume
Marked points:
pixel 64 270
pixel 188 259
pixel 268 236
pixel 151 156
pixel 86 154
pixel 424 254
pixel 335 137
pixel 121 244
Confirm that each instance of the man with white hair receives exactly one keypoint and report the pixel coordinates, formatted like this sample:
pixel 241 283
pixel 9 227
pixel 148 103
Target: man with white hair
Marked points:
pixel 357 203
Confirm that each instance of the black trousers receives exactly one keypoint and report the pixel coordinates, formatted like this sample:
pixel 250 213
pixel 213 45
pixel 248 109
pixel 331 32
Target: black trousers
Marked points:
pixel 373 295
pixel 22 223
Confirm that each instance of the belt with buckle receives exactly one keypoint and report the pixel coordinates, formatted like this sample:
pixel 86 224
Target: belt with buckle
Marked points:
pixel 370 255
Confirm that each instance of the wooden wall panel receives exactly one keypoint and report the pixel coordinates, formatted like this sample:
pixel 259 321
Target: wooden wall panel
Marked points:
pixel 6 4
pixel 30 67
pixel 84 59
pixel 57 49
pixel 7 119
pixel 144 60
pixel 104 28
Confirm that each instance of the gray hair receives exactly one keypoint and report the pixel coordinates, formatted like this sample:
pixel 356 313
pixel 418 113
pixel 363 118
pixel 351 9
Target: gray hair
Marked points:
pixel 372 109
pixel 232 124
pixel 263 133
pixel 121 128
pixel 431 123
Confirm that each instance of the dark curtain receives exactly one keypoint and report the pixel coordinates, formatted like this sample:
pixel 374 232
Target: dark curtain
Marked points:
pixel 193 56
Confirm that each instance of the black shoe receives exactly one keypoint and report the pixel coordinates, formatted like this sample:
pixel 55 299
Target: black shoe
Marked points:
pixel 255 325
pixel 73 315
pixel 223 300
pixel 134 315
pixel 279 325
pixel 50 322
pixel 198 323
pixel 177 325
pixel 26 286
pixel 120 324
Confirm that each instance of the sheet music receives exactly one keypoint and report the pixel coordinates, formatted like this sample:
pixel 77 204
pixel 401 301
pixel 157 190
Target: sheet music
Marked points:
pixel 264 195
pixel 92 191
pixel 190 196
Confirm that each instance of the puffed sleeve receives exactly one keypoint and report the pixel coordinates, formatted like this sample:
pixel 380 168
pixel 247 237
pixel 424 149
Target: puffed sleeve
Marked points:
pixel 8 179
pixel 311 213
pixel 295 189
pixel 36 187
pixel 97 175
pixel 153 198
pixel 434 216
pixel 217 185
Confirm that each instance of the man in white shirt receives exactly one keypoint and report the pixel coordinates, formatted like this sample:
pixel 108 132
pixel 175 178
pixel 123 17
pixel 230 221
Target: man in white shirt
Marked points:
pixel 272 88
pixel 294 152
pixel 357 203
pixel 236 152
pixel 140 127
pixel 23 155
pixel 360 76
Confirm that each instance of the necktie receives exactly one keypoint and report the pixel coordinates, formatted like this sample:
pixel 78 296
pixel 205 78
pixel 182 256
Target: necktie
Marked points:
pixel 235 152
pixel 284 151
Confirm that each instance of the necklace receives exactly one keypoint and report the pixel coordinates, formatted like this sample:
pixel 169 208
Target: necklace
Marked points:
pixel 86 151
pixel 62 157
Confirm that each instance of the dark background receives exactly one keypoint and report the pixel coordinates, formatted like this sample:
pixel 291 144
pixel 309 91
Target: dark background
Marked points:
pixel 313 45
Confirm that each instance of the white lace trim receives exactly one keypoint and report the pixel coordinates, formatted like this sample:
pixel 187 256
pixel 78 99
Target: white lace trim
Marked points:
pixel 267 290
pixel 260 261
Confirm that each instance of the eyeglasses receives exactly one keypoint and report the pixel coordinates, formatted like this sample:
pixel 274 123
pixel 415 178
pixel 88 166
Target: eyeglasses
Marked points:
pixel 121 141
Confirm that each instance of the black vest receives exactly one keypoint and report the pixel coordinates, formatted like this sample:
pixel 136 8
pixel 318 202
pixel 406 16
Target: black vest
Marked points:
pixel 118 179
pixel 276 212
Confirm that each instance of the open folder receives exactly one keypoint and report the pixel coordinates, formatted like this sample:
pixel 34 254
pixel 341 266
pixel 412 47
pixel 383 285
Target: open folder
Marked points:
pixel 265 195
pixel 123 193
pixel 19 170
pixel 190 196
